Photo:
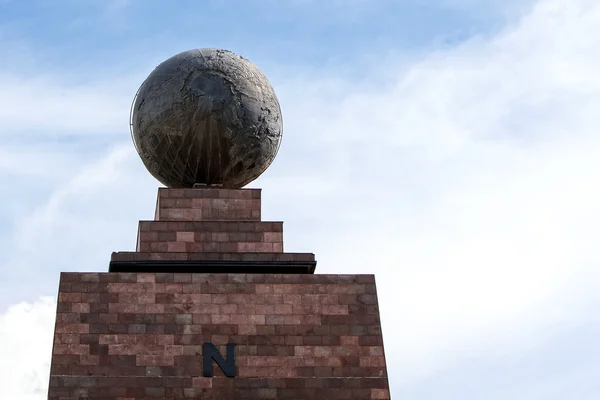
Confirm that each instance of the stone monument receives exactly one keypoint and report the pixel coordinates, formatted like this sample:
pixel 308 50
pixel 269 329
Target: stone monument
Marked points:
pixel 209 306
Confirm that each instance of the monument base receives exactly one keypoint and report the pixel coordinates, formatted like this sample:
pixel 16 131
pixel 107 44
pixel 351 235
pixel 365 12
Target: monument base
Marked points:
pixel 286 336
pixel 209 306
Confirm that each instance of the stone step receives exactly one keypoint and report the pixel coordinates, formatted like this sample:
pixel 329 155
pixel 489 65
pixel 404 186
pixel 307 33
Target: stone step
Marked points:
pixel 269 257
pixel 211 247
pixel 210 226
pixel 204 236
pixel 224 263
pixel 196 237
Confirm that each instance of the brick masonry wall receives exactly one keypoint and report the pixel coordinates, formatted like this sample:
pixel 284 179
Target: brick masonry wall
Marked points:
pixel 139 336
pixel 210 236
pixel 208 204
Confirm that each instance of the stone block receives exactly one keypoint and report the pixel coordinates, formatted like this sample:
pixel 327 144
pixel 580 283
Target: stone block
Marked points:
pixel 295 336
pixel 208 204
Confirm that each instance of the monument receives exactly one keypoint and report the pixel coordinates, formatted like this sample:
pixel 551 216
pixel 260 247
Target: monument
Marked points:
pixel 209 306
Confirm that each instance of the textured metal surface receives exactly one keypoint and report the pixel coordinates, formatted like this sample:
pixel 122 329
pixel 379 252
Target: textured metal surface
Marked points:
pixel 208 117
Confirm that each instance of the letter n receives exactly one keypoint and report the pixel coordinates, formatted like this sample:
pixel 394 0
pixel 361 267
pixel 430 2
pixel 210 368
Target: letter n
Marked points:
pixel 210 353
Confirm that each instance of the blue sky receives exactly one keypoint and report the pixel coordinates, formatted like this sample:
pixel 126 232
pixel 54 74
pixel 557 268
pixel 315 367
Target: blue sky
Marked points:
pixel 448 146
pixel 80 34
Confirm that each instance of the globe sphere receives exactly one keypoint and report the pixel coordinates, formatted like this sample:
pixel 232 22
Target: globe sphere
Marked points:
pixel 206 117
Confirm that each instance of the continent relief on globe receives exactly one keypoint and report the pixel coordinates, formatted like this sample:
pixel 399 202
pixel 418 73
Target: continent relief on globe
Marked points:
pixel 206 117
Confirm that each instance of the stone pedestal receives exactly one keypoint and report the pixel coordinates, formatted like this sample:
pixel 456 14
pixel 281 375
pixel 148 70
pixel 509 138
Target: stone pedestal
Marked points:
pixel 209 307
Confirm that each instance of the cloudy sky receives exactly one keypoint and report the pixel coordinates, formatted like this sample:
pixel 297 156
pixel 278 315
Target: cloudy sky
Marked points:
pixel 451 147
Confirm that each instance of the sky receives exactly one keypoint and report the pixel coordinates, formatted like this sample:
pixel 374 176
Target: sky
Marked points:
pixel 450 147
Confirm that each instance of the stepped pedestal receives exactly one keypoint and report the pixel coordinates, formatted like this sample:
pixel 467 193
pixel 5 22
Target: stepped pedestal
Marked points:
pixel 210 307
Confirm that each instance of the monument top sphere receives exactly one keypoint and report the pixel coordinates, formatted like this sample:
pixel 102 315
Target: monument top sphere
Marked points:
pixel 206 117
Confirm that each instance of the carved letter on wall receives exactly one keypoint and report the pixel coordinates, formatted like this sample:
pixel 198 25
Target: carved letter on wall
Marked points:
pixel 210 353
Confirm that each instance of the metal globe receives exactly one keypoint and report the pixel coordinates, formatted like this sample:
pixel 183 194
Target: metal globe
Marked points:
pixel 206 117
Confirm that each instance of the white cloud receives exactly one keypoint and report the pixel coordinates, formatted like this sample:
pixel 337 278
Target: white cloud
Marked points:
pixel 26 333
pixel 82 221
pixel 39 103
pixel 467 182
